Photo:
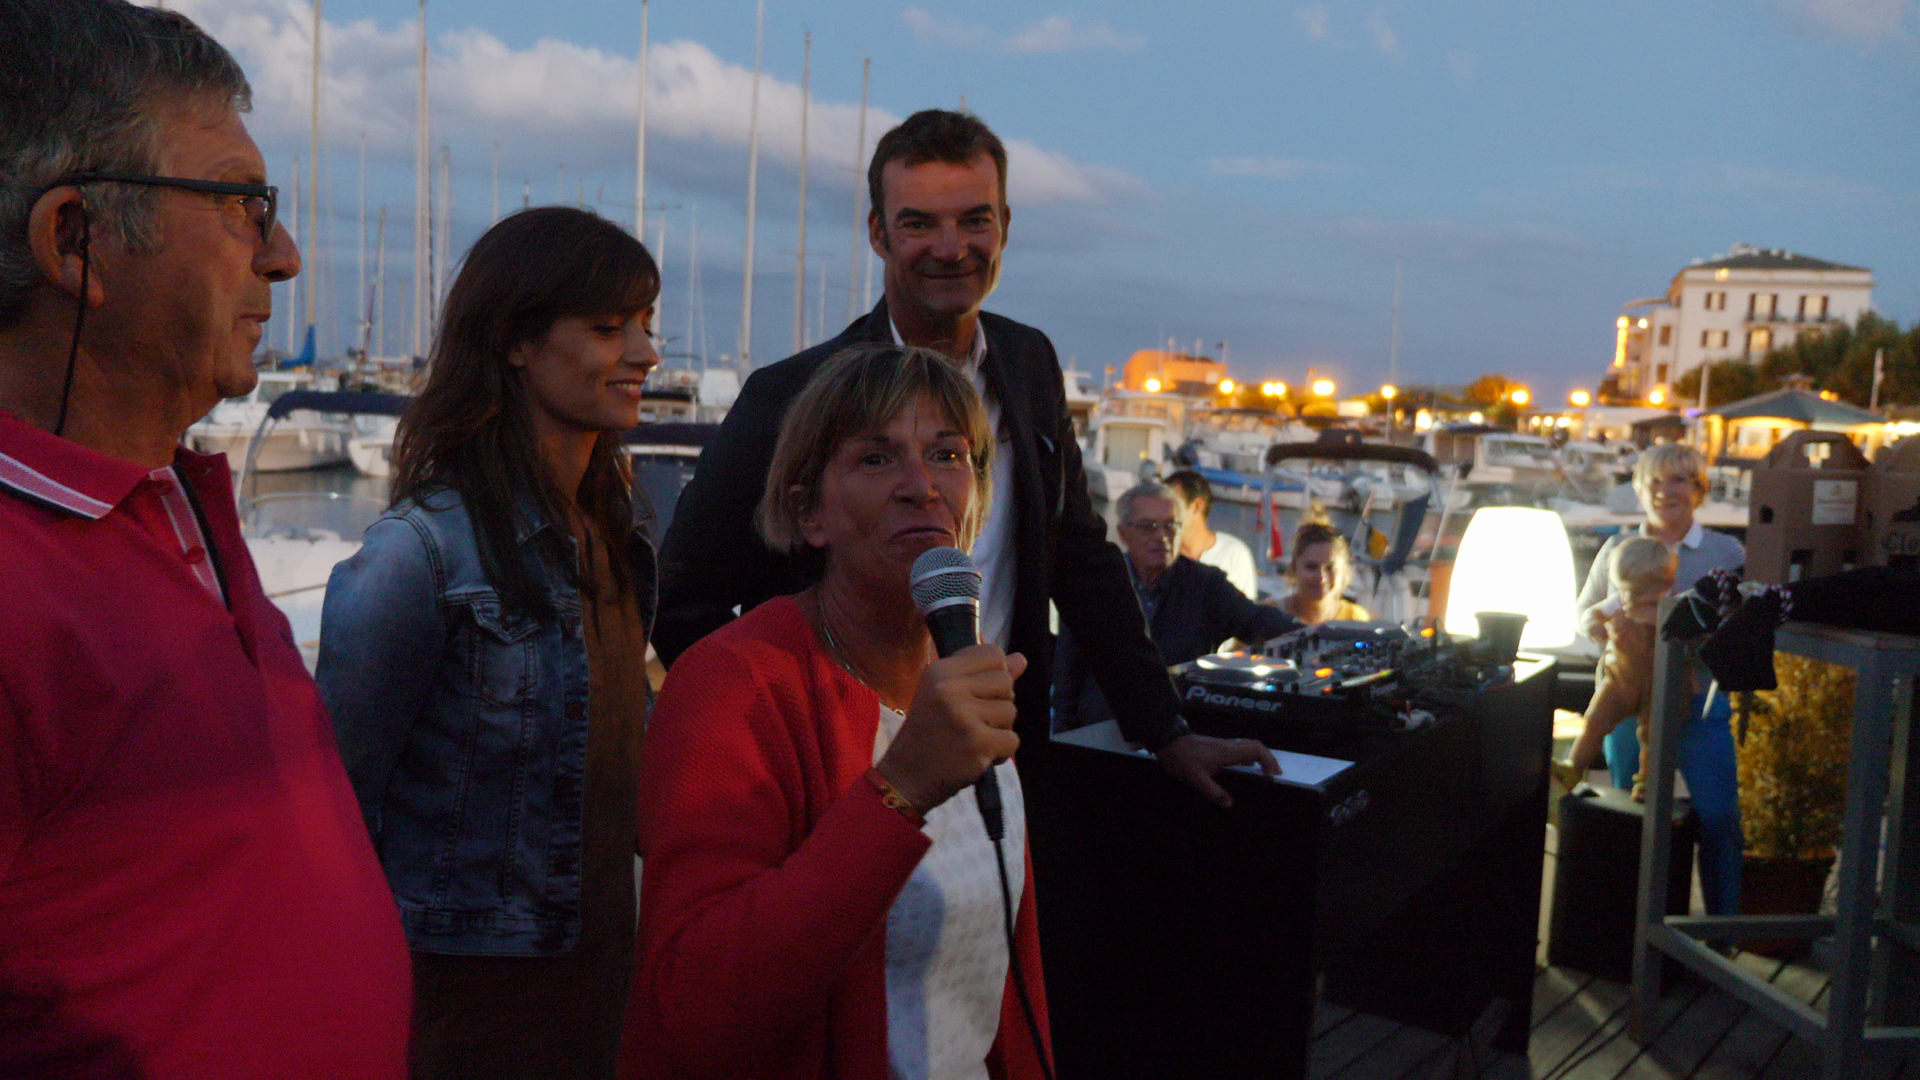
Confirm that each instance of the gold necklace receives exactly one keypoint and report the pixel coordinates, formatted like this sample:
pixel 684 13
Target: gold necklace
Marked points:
pixel 846 664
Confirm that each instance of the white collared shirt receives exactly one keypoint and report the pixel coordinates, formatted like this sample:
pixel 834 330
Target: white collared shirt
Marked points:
pixel 993 548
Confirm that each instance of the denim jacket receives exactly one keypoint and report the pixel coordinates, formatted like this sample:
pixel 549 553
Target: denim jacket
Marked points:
pixel 464 729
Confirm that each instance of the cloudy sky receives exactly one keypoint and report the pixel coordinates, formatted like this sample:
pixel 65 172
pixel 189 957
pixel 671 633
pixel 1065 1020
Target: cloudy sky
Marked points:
pixel 1217 171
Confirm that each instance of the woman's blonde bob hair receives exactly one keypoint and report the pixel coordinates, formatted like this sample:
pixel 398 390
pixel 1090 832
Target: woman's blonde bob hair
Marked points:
pixel 855 393
pixel 1313 532
pixel 1671 459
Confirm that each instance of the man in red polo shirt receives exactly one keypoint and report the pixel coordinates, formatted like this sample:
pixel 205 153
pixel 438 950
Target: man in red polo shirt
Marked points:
pixel 186 887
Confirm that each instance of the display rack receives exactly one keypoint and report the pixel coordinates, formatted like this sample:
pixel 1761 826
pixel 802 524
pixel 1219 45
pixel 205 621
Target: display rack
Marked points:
pixel 1872 1007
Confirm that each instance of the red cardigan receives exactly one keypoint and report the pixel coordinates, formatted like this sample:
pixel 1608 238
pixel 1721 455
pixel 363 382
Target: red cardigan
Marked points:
pixel 770 866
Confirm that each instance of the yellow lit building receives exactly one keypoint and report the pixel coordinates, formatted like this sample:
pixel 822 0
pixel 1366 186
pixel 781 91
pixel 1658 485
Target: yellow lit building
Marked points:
pixel 1174 372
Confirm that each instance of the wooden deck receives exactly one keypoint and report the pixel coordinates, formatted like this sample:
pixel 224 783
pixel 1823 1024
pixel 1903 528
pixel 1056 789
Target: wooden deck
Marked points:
pixel 1579 1033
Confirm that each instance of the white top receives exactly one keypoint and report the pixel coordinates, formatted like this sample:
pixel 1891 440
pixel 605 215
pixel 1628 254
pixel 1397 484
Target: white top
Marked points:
pixel 946 934
pixel 1699 552
pixel 993 549
pixel 1232 555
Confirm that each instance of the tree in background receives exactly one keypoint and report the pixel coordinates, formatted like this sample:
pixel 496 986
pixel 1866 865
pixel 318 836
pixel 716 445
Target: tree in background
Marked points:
pixel 1838 358
pixel 1841 360
pixel 1490 390
pixel 1728 381
pixel 1493 395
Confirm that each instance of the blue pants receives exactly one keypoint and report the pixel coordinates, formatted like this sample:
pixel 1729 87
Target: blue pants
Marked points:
pixel 1706 759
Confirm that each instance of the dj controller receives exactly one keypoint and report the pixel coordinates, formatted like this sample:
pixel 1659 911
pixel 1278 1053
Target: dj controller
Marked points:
pixel 1325 688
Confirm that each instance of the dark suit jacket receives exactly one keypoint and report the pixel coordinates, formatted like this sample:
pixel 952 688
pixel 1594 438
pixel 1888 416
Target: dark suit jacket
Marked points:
pixel 1199 609
pixel 712 560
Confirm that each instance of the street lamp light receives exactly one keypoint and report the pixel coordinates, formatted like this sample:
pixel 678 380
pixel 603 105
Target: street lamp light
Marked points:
pixel 1323 387
pixel 1521 397
pixel 1657 397
pixel 1389 392
pixel 1579 399
pixel 1226 386
pixel 1152 385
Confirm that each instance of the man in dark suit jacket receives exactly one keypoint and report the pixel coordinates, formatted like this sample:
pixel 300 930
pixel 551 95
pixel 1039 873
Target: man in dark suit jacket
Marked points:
pixel 1190 607
pixel 939 220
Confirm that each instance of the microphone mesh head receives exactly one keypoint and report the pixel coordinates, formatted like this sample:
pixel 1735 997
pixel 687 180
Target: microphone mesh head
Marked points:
pixel 942 576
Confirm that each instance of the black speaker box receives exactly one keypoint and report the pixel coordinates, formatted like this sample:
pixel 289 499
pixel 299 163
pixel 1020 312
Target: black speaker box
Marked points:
pixel 1596 873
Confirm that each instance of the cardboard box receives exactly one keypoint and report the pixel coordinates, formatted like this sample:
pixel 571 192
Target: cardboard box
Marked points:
pixel 1806 519
pixel 1892 522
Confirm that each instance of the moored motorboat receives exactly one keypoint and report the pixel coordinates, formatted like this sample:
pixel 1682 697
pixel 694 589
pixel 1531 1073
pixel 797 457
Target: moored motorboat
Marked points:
pixel 308 440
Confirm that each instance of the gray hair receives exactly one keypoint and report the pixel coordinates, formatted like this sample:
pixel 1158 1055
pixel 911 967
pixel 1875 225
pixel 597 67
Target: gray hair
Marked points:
pixel 82 84
pixel 1150 489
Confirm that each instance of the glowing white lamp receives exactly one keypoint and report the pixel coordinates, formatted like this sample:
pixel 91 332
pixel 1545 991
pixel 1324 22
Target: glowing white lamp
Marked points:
pixel 1514 558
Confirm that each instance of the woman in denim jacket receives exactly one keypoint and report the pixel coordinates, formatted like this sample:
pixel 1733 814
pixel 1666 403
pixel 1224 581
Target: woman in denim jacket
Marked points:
pixel 484 654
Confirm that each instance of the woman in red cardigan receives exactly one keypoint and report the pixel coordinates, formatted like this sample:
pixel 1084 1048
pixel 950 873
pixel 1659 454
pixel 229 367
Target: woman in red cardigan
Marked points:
pixel 820 898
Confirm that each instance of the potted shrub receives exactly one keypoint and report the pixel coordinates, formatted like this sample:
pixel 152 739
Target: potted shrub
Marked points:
pixel 1793 790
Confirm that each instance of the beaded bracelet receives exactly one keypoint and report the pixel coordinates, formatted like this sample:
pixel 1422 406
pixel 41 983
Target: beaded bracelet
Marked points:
pixel 890 797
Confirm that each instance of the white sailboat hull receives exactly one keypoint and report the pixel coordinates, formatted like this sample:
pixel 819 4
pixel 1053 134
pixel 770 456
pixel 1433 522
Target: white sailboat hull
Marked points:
pixel 288 448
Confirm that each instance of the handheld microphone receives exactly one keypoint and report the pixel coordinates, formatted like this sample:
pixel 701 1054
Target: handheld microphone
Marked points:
pixel 946 592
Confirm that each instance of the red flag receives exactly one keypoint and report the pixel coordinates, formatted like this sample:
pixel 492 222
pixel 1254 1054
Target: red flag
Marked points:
pixel 1276 545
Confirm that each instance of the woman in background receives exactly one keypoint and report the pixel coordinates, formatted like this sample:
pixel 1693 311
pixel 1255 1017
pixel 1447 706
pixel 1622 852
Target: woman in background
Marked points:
pixel 1320 571
pixel 484 654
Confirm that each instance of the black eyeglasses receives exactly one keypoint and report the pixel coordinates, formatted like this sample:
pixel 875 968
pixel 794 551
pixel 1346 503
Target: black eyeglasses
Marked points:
pixel 261 202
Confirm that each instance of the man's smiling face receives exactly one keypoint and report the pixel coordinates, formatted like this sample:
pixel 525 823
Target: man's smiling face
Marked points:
pixel 941 229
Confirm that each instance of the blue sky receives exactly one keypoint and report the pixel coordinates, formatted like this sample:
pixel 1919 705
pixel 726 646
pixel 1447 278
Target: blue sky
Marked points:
pixel 1214 171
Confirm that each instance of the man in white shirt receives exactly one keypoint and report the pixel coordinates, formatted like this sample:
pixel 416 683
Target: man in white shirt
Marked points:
pixel 1200 542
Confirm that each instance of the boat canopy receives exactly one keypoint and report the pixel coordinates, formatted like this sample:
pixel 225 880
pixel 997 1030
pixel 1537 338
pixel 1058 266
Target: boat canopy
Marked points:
pixel 670 433
pixel 1352 451
pixel 352 402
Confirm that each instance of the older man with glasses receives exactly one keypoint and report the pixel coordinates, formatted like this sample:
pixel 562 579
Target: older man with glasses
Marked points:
pixel 186 884
pixel 1190 607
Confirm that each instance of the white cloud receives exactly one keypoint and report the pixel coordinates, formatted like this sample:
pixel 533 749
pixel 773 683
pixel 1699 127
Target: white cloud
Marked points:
pixel 1267 168
pixel 1871 21
pixel 556 101
pixel 1057 33
pixel 1314 21
pixel 1384 39
pixel 941 30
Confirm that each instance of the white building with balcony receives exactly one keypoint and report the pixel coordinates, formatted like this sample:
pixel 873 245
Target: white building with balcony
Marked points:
pixel 1739 306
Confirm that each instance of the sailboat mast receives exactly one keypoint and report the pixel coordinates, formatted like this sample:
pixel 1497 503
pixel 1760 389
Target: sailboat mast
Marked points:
pixel 313 177
pixel 377 331
pixel 800 266
pixel 293 284
pixel 854 261
pixel 421 196
pixel 443 233
pixel 640 165
pixel 753 191
pixel 1393 348
pixel 660 267
pixel 693 287
pixel 365 322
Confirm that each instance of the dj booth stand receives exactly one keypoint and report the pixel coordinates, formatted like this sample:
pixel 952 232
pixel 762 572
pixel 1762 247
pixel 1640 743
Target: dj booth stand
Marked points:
pixel 1184 940
pixel 1882 761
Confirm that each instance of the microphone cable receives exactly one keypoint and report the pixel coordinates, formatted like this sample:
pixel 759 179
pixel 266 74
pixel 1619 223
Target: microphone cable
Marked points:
pixel 79 316
pixel 996 831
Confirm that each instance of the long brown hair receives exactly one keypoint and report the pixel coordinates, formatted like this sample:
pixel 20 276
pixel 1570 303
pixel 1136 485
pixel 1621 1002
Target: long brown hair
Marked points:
pixel 471 429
